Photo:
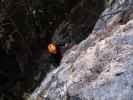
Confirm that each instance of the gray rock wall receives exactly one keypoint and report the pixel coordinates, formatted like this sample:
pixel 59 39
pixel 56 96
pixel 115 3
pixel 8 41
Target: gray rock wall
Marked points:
pixel 100 67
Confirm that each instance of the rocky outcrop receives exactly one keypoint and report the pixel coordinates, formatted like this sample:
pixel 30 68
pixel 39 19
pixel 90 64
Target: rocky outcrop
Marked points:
pixel 26 28
pixel 101 66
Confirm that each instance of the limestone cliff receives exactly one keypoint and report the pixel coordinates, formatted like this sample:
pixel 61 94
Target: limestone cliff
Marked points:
pixel 101 66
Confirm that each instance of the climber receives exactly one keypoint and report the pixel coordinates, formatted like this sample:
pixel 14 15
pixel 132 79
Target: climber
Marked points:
pixel 54 54
pixel 56 51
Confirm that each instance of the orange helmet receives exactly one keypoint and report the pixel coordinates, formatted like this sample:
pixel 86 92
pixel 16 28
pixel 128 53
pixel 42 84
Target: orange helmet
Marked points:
pixel 52 49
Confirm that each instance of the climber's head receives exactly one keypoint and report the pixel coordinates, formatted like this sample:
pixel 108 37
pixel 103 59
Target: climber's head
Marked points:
pixel 60 48
pixel 52 48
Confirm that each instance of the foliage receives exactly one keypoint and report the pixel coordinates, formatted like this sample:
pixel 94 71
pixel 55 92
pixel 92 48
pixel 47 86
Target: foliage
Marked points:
pixel 22 23
pixel 108 3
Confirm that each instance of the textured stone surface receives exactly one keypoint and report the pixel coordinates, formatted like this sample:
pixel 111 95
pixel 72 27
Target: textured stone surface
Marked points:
pixel 99 68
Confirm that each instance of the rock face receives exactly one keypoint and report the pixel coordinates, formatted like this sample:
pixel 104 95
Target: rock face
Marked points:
pixel 100 67
pixel 79 22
